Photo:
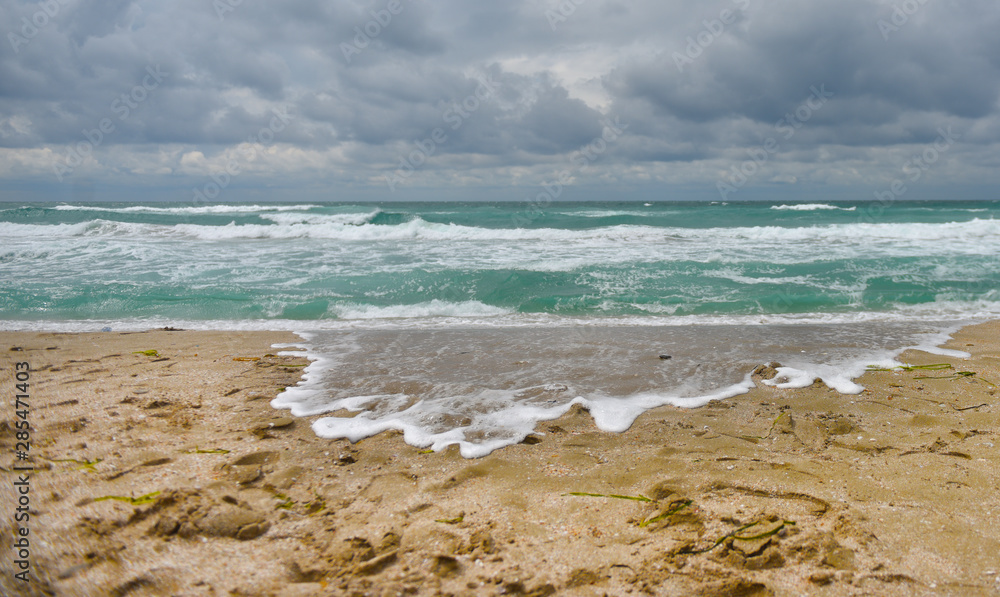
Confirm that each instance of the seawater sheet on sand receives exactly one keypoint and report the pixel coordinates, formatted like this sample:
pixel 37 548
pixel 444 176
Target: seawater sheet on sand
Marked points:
pixel 489 387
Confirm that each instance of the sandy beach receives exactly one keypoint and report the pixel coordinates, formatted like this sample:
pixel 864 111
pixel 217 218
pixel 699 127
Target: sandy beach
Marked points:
pixel 161 469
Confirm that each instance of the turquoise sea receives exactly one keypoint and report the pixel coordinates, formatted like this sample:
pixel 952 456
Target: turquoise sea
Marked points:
pixel 337 263
pixel 842 284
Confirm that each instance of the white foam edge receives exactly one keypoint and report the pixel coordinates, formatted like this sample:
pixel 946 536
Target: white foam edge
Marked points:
pixel 618 414
pixel 521 419
pixel 610 414
pixel 841 377
pixel 963 313
pixel 309 382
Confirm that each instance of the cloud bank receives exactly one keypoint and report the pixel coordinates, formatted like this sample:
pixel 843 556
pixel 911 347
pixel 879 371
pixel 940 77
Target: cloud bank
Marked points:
pixel 401 99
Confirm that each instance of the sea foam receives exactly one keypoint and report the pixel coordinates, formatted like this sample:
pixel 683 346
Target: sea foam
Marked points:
pixel 811 207
pixel 484 389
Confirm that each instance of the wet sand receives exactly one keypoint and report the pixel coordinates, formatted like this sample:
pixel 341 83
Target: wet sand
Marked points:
pixel 170 474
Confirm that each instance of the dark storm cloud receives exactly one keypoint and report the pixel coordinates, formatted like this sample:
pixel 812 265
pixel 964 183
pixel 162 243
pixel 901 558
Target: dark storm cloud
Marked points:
pixel 761 67
pixel 366 80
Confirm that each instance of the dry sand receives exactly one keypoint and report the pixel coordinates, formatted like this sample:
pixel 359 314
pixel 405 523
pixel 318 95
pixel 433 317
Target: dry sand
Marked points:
pixel 776 492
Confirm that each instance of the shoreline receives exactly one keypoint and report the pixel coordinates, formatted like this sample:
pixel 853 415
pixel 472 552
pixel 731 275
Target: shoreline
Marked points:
pixel 882 491
pixel 507 320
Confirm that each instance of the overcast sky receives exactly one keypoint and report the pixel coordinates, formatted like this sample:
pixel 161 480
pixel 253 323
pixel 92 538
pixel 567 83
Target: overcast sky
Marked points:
pixel 414 99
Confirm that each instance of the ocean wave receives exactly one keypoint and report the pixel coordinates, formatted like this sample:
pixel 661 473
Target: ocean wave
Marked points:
pixel 189 210
pixel 944 309
pixel 434 308
pixel 811 207
pixel 314 219
pixel 974 236
pixel 13 230
pixel 603 213
pixel 736 276
pixel 940 310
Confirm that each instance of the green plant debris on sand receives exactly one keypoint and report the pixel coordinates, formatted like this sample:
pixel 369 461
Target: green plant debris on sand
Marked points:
pixel 932 367
pixel 148 353
pixel 667 514
pixel 455 520
pixel 736 535
pixel 426 452
pixel 199 451
pixel 957 375
pixel 315 506
pixel 135 501
pixel 286 502
pixel 636 498
pixel 84 464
